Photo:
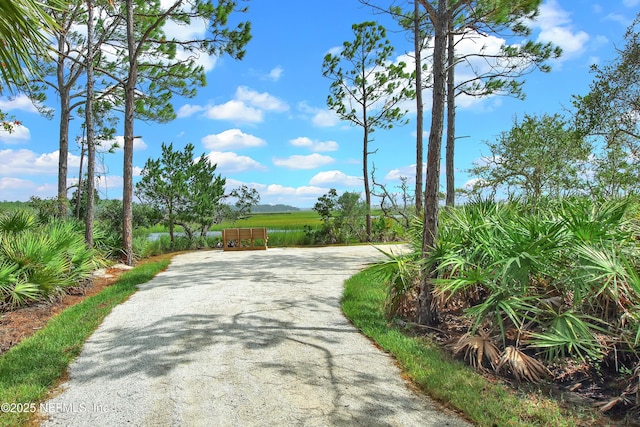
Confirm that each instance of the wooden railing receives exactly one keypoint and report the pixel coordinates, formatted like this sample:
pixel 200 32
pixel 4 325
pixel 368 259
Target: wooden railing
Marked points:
pixel 243 239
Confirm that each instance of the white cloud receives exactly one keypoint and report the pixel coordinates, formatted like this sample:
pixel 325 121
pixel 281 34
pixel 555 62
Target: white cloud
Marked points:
pixel 619 18
pixel 556 26
pixel 631 3
pixel 232 139
pixel 275 74
pixel 106 184
pixel 18 135
pixel 248 106
pixel 315 146
pixel 27 162
pixel 188 110
pixel 325 118
pixel 181 31
pixel 230 162
pixel 22 189
pixel 137 171
pixel 572 43
pixel 405 171
pixel 334 51
pixel 236 111
pixel 280 190
pixel 470 184
pixel 335 177
pixel 311 161
pixel 20 102
pixel 262 100
pixel 138 143
pixel 319 116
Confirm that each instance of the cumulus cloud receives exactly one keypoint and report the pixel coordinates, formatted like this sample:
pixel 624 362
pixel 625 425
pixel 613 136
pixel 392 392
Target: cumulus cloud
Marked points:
pixel 138 143
pixel 18 135
pixel 189 110
pixel 22 189
pixel 235 111
pixel 20 102
pixel 315 146
pixel 263 100
pixel 232 139
pixel 311 161
pixel 328 178
pixel 106 184
pixel 556 26
pixel 320 117
pixel 27 162
pixel 405 171
pixel 274 74
pixel 471 184
pixel 248 106
pixel 280 190
pixel 230 162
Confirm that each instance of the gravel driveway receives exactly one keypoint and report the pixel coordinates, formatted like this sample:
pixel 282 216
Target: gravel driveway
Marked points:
pixel 252 338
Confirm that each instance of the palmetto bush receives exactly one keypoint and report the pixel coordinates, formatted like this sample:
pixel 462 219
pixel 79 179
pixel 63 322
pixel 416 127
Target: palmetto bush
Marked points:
pixel 38 261
pixel 558 282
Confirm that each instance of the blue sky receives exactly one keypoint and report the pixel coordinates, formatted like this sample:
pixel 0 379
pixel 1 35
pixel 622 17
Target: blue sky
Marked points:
pixel 265 123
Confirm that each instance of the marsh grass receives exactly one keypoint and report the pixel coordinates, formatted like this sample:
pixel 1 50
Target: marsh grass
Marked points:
pixel 30 369
pixel 273 221
pixel 287 238
pixel 485 403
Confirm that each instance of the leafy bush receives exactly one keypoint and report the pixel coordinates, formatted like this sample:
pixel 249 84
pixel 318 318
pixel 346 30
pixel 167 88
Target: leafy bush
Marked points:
pixel 560 282
pixel 38 261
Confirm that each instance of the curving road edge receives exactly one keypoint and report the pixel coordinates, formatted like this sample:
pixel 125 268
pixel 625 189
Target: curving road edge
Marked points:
pixel 252 338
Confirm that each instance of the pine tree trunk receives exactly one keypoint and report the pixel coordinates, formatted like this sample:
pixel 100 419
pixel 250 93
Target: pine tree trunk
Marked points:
pixel 63 151
pixel 91 147
pixel 451 121
pixel 417 43
pixel 127 191
pixel 427 314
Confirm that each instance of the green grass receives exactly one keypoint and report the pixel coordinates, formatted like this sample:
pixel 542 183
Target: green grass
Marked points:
pixel 30 369
pixel 273 221
pixel 446 380
pixel 286 238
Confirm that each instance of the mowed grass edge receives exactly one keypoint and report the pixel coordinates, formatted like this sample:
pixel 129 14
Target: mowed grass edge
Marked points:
pixel 29 370
pixel 450 382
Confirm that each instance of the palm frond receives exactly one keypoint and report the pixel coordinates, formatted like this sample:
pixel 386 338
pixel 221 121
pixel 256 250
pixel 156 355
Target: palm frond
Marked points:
pixel 522 366
pixel 478 350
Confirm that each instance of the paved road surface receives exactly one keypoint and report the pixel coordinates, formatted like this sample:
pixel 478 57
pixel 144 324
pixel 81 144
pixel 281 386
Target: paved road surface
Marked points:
pixel 252 338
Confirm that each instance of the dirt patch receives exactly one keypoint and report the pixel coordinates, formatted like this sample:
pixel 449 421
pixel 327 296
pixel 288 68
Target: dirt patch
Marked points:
pixel 16 325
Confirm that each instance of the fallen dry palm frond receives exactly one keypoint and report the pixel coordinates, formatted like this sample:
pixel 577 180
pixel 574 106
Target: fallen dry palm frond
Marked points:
pixel 477 348
pixel 522 366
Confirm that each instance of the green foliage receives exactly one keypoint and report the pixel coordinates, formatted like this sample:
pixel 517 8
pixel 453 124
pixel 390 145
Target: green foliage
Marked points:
pixel 610 108
pixel 399 273
pixel 40 260
pixel 485 403
pixel 538 156
pixel 24 29
pixel 342 219
pixel 367 89
pixel 557 281
pixel 362 74
pixel 187 192
pixel 46 209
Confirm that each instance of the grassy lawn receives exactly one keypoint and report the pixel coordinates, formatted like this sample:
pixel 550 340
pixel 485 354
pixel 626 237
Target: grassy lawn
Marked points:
pixel 456 385
pixel 30 369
